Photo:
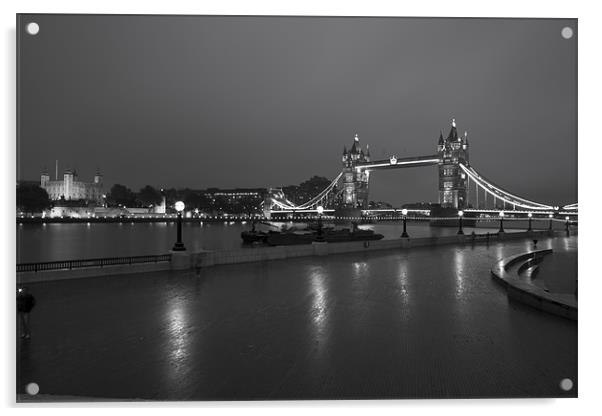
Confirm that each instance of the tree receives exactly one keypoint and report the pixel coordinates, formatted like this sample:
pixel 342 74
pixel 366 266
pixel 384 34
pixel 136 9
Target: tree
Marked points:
pixel 32 198
pixel 149 196
pixel 121 195
pixel 197 200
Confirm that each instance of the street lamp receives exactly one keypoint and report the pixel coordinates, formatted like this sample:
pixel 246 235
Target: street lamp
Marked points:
pixel 550 216
pixel 530 215
pixel 320 236
pixel 179 245
pixel 460 215
pixel 501 221
pixel 404 213
pixel 566 224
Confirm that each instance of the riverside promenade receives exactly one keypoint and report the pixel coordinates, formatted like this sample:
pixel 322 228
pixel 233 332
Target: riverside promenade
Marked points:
pixel 429 322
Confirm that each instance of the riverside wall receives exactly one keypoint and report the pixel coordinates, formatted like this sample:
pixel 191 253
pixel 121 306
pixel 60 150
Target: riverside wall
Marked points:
pixel 196 260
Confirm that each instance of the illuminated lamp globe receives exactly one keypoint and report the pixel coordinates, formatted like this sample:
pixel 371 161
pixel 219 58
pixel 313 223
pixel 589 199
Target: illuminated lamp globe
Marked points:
pixel 460 213
pixel 502 214
pixel 566 218
pixel 320 210
pixel 550 215
pixel 404 211
pixel 180 206
pixel 529 215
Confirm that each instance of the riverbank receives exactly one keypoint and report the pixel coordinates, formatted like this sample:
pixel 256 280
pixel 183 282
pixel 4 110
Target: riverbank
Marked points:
pixel 195 260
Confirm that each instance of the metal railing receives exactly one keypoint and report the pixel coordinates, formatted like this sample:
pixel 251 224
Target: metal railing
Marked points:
pixel 76 264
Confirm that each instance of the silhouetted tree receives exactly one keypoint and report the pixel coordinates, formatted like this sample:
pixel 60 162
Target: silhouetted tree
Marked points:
pixel 171 196
pixel 121 195
pixel 149 196
pixel 32 198
pixel 197 199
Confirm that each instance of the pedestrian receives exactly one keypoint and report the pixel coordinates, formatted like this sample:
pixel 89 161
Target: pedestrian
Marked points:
pixel 25 303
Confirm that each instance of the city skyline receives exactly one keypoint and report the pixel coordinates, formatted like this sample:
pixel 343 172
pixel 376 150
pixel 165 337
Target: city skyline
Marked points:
pixel 269 102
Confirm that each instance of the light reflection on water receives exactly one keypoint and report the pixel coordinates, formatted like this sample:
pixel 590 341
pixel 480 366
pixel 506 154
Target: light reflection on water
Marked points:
pixel 177 333
pixel 319 288
pixel 403 280
pixel 461 272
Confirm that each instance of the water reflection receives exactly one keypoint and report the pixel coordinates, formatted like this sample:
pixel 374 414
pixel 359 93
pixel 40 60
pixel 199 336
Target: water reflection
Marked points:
pixel 403 280
pixel 461 272
pixel 360 275
pixel 319 289
pixel 177 335
pixel 318 277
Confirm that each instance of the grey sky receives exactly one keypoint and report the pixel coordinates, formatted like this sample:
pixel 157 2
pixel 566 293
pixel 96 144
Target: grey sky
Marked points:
pixel 264 101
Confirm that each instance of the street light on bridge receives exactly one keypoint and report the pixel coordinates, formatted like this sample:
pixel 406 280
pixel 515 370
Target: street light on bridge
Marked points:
pixel 530 215
pixel 550 216
pixel 404 213
pixel 501 230
pixel 566 224
pixel 179 245
pixel 460 215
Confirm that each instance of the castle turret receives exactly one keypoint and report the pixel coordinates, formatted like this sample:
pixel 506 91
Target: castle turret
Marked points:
pixel 68 183
pixel 44 179
pixel 97 177
pixel 453 132
pixel 465 147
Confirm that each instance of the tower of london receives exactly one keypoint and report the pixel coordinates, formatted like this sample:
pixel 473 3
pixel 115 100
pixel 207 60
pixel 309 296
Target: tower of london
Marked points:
pixel 71 188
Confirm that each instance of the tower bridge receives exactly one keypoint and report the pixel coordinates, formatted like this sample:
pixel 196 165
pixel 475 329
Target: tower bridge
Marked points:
pixel 461 186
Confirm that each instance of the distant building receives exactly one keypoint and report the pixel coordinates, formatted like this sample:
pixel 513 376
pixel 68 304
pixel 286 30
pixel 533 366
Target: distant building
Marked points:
pixel 70 188
pixel 231 196
pixel 161 208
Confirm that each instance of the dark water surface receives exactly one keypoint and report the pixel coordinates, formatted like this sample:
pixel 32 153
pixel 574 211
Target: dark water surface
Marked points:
pixel 52 242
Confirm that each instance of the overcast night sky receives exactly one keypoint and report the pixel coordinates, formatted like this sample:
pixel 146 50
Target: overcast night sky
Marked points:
pixel 263 101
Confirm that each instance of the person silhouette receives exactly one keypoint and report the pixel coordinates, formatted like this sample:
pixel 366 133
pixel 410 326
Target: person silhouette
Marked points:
pixel 25 303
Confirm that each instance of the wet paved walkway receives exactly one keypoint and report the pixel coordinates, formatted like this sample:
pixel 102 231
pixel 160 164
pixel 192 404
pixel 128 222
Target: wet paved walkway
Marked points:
pixel 428 322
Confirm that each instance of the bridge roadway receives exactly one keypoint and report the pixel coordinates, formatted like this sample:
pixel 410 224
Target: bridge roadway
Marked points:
pixel 427 322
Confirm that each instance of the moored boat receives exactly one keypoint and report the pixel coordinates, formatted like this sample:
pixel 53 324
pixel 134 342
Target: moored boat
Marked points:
pixel 330 236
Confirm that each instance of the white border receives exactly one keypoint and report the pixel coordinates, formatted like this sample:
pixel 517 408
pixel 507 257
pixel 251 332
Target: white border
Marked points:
pixel 590 94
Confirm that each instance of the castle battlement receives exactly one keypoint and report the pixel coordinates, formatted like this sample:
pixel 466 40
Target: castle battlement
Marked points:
pixel 71 188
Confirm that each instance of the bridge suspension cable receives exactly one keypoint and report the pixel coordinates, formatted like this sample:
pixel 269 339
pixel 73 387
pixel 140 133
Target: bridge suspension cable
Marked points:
pixel 499 193
pixel 285 203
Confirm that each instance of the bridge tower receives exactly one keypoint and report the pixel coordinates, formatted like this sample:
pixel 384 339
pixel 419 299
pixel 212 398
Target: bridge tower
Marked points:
pixel 452 180
pixel 355 180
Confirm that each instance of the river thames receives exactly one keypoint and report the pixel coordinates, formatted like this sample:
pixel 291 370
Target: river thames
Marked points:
pixel 72 241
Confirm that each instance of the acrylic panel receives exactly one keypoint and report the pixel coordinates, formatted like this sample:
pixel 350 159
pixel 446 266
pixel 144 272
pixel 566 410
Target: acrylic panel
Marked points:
pixel 287 207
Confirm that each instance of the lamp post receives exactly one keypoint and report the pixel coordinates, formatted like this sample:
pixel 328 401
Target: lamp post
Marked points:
pixel 320 236
pixel 550 216
pixel 460 215
pixel 501 230
pixel 404 213
pixel 179 245
pixel 566 224
pixel 530 215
